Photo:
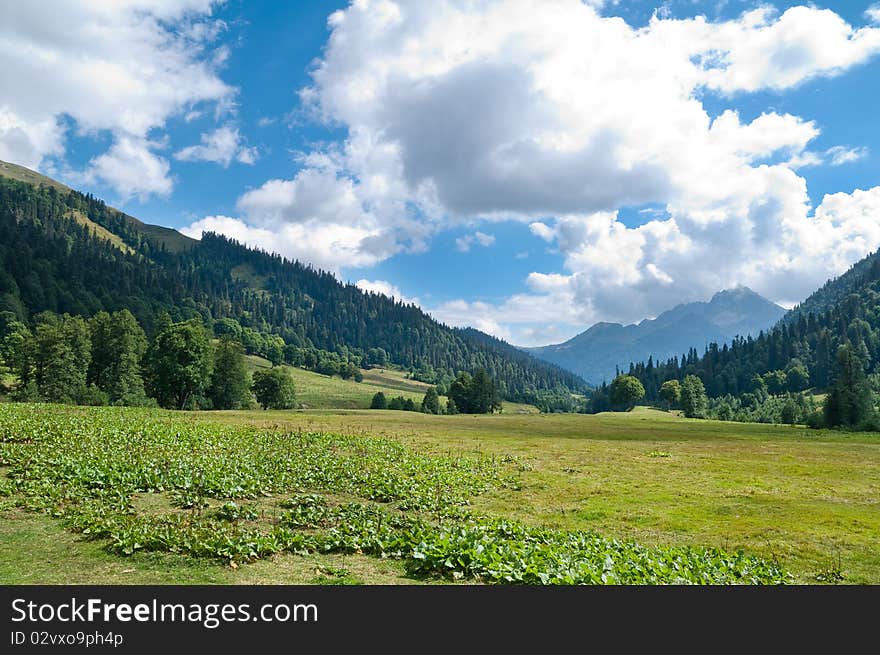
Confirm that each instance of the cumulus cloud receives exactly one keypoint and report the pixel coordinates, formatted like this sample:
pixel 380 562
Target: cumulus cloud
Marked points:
pixel 464 244
pixel 385 288
pixel 625 273
pixel 763 50
pixel 549 113
pixel 525 319
pixel 324 246
pixel 123 67
pixel 132 168
pixel 220 146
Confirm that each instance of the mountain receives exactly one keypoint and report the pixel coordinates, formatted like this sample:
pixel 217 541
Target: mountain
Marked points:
pixel 165 237
pixel 597 353
pixel 846 310
pixel 68 252
pixel 836 289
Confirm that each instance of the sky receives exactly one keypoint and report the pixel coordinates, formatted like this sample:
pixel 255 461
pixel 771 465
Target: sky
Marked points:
pixel 527 167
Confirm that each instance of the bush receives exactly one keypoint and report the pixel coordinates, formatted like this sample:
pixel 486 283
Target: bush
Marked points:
pixel 379 401
pixel 870 424
pixel 815 420
pixel 274 388
pixel 92 396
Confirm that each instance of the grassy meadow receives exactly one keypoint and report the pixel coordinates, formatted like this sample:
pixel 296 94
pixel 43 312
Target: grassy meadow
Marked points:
pixel 315 391
pixel 807 500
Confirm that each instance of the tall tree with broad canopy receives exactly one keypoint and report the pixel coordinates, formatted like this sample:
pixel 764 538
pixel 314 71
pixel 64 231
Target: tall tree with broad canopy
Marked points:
pixel 178 365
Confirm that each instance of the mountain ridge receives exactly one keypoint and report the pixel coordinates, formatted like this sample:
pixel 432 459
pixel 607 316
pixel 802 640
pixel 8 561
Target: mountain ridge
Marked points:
pixel 599 351
pixel 56 256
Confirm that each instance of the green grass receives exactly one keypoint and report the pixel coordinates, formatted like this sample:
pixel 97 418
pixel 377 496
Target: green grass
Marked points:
pixel 806 498
pixel 35 549
pixel 316 391
pixel 26 175
pixel 173 240
pixel 100 232
pixel 148 483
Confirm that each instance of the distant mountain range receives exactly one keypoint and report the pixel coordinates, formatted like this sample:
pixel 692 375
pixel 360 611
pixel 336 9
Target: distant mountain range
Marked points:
pixel 596 354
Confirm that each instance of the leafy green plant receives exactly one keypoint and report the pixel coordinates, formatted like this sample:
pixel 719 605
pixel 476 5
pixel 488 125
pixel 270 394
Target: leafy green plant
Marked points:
pixel 85 466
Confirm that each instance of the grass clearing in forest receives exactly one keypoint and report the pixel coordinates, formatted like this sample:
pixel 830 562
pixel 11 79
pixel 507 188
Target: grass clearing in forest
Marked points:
pixel 316 391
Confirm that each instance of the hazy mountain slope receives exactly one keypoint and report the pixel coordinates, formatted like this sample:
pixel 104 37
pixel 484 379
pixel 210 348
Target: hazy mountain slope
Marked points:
pixel 596 353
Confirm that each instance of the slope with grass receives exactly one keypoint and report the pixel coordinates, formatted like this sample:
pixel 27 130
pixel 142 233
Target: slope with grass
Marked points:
pixel 316 391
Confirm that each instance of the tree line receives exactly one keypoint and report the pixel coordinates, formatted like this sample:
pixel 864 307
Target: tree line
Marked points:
pixel 830 344
pixel 467 394
pixel 108 359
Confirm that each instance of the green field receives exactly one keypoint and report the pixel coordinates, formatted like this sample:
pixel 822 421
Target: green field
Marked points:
pixel 316 391
pixel 805 499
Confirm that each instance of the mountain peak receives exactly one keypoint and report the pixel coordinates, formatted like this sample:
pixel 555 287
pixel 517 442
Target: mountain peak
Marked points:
pixel 738 292
pixel 596 353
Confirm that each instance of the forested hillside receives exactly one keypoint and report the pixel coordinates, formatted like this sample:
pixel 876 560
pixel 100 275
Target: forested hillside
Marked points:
pixel 66 252
pixel 798 353
pixel 835 289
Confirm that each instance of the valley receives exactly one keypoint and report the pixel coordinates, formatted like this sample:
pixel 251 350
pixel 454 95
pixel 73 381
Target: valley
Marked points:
pixel 801 498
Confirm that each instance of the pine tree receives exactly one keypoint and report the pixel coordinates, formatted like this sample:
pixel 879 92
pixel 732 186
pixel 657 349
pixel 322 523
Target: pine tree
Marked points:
pixel 63 355
pixel 118 347
pixel 431 402
pixel 849 401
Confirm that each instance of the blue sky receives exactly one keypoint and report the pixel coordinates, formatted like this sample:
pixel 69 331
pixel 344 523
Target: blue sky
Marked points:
pixel 525 167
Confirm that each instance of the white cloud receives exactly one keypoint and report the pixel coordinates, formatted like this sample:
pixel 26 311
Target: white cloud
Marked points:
pixel 131 168
pixel 521 319
pixel 842 155
pixel 324 246
pixel 124 67
pixel 220 146
pixel 625 274
pixel 548 113
pixel 464 244
pixel 542 230
pixel 763 50
pixel 873 13
pixel 834 156
pixel 764 136
pixel 385 288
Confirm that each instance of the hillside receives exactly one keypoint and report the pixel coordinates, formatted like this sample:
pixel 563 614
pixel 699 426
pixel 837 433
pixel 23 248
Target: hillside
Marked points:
pixel 168 238
pixel 835 289
pixel 317 391
pixel 845 310
pixel 597 353
pixel 64 251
